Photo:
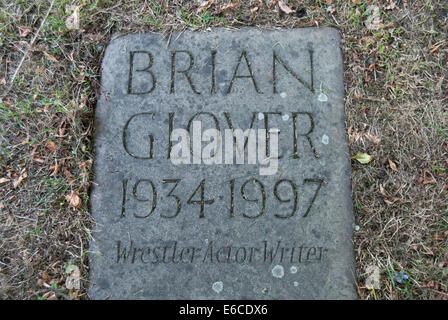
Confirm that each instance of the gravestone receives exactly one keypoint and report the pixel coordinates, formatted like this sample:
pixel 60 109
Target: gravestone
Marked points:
pixel 213 227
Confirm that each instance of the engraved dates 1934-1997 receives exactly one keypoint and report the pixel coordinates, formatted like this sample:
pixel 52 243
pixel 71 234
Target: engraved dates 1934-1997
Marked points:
pixel 245 191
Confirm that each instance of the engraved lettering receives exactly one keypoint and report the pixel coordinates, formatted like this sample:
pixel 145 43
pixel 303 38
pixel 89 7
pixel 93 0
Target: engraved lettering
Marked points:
pixel 179 253
pixel 294 192
pixel 213 89
pixel 123 255
pixel 170 194
pixel 266 126
pixel 219 254
pixel 123 201
pixel 151 138
pixel 185 72
pixel 154 196
pixel 320 182
pixel 272 252
pixel 182 252
pixel 309 86
pixel 250 75
pixel 145 69
pixel 156 255
pixel 306 135
pixel 170 131
pixel 311 253
pixel 263 197
pixel 201 202
pixel 148 251
pixel 135 253
pixel 237 254
pixel 249 191
pixel 209 252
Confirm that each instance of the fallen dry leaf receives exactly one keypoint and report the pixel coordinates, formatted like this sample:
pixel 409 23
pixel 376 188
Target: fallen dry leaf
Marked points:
pixel 9 220
pixel 51 146
pixel 204 5
pixel 73 294
pixel 52 296
pixel 392 165
pixel 255 9
pixel 73 199
pixel 428 284
pixel 24 31
pixel 387 198
pixel 54 265
pixel 392 5
pixel 285 8
pixel 4 180
pixel 3 81
pixel 49 56
pixel 426 179
pixel 39 160
pixel 383 191
pixel 85 164
pixel 45 276
pixel 19 180
pixel 373 138
pixel 363 158
pixel 373 21
pixel 228 6
pixel 40 70
pixel 331 10
pixel 55 169
pixel 72 22
pixel 95 37
pixel 391 201
pixel 61 128
pixel 435 47
pixel 68 175
pixel 272 3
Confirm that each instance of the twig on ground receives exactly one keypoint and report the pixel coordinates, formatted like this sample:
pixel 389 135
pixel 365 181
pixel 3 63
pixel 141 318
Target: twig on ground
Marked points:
pixel 27 50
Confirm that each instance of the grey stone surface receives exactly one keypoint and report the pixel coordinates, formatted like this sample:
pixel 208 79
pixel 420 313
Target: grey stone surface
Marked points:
pixel 240 245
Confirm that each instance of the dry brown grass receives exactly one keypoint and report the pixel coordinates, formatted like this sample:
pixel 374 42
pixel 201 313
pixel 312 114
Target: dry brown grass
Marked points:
pixel 396 106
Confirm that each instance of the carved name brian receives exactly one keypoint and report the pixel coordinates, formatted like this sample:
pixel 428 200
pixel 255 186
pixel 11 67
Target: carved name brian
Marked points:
pixel 149 76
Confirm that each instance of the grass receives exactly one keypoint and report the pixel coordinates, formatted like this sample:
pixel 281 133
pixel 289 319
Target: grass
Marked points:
pixel 396 109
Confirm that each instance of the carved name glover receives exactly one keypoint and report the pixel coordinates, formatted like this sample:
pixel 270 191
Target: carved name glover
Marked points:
pixel 142 62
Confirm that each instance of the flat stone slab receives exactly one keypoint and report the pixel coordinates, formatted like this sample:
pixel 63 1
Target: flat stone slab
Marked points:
pixel 226 230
